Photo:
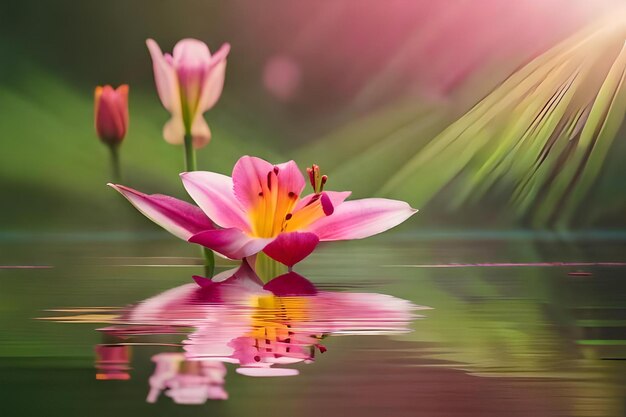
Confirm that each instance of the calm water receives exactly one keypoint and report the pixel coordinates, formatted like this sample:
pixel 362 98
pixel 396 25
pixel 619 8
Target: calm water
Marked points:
pixel 516 327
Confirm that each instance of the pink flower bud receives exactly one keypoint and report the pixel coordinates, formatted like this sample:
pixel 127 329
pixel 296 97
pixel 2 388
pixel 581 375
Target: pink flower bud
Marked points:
pixel 189 83
pixel 111 113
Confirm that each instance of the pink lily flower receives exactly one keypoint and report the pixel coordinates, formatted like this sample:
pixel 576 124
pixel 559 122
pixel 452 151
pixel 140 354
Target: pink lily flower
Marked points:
pixel 189 83
pixel 111 113
pixel 260 208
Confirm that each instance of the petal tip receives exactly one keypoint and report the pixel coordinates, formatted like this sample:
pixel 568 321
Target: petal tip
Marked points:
pixel 116 187
pixel 202 281
pixel 122 189
pixel 225 48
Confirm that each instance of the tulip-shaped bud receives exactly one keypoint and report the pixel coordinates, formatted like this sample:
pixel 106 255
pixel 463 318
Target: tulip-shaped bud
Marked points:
pixel 189 83
pixel 111 113
pixel 111 119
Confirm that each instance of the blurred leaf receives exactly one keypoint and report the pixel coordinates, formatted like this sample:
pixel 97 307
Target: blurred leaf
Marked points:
pixel 540 138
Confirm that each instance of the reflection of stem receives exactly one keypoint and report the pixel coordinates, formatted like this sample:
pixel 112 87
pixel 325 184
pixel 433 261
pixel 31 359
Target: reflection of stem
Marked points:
pixel 115 162
pixel 190 165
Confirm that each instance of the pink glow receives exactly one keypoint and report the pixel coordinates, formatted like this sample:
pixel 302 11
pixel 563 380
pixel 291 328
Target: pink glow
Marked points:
pixel 282 77
pixel 371 51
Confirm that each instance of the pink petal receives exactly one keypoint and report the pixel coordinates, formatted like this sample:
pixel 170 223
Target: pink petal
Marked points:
pixel 214 194
pixel 290 285
pixel 291 248
pixel 214 79
pixel 174 130
pixel 249 173
pixel 167 308
pixel 200 132
pixel 221 54
pixel 290 179
pixel 244 273
pixel 165 78
pixel 336 198
pixel 361 218
pixel 191 53
pixel 177 217
pixel 232 243
pixel 202 282
pixel 229 286
pixel 250 176
pixel 192 62
pixel 122 103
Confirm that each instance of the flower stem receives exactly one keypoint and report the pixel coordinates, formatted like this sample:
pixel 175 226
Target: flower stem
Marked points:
pixel 209 262
pixel 190 165
pixel 190 154
pixel 115 162
pixel 267 268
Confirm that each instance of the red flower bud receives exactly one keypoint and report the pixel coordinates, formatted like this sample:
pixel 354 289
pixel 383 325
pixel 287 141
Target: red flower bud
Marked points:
pixel 111 113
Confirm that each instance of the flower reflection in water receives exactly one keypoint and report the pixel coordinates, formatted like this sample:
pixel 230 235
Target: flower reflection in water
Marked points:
pixel 112 362
pixel 262 329
pixel 187 382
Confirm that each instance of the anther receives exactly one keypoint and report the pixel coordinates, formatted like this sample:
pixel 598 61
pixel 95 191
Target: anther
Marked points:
pixel 313 199
pixel 317 181
pixel 269 180
pixel 288 216
pixel 314 174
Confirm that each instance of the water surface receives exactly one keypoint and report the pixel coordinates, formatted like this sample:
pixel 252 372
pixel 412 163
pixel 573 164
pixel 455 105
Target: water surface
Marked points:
pixel 518 326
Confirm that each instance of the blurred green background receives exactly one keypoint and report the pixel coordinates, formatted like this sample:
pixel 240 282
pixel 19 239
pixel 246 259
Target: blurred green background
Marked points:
pixel 370 90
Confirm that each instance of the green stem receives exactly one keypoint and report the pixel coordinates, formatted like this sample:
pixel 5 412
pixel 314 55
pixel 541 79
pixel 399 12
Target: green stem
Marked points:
pixel 190 154
pixel 209 262
pixel 115 162
pixel 267 268
pixel 190 165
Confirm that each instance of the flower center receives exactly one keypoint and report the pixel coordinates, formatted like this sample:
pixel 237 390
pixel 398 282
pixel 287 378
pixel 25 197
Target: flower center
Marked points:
pixel 279 209
pixel 275 204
